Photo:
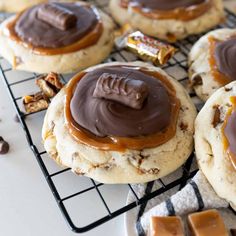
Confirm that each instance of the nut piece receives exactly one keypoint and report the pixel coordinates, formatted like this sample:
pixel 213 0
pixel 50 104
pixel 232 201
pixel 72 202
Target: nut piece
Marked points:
pixel 50 85
pixel 35 102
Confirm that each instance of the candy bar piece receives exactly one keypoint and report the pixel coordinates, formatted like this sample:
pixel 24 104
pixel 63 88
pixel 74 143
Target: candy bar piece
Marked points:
pixel 54 80
pixel 35 102
pixel 57 16
pixel 50 85
pixel 129 92
pixel 233 232
pixel 166 226
pixel 149 49
pixel 207 223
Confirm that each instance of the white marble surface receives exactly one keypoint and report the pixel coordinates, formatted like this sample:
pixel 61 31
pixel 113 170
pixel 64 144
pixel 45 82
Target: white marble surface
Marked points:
pixel 27 206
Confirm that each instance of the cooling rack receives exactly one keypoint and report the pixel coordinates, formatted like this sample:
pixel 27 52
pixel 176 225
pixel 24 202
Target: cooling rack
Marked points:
pixel 82 188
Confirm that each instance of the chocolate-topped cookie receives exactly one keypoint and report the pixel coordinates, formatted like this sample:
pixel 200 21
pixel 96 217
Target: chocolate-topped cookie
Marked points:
pixel 215 141
pixel 63 37
pixel 212 62
pixel 17 5
pixel 120 123
pixel 168 19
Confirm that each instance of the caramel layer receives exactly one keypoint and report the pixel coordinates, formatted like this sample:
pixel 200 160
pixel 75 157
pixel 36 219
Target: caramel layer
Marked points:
pixel 184 13
pixel 227 132
pixel 122 143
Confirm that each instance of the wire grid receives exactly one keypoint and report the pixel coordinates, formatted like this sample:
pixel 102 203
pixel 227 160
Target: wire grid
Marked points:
pixel 177 67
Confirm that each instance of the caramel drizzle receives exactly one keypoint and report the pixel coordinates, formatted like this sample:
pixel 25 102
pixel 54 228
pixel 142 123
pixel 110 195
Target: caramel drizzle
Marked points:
pixel 181 13
pixel 226 145
pixel 121 143
pixel 90 39
pixel 217 75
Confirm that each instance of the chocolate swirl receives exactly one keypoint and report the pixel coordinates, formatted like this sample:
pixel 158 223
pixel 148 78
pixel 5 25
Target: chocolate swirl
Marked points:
pixel 108 118
pixel 30 29
pixel 165 5
pixel 225 55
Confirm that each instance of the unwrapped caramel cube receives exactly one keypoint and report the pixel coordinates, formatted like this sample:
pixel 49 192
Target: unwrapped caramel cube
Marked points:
pixel 207 223
pixel 166 226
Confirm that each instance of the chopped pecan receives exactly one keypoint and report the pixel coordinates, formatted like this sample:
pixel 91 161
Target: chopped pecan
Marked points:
pixel 50 85
pixel 35 102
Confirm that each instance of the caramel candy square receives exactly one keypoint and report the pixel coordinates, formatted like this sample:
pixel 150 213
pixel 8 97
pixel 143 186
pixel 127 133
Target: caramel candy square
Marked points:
pixel 166 226
pixel 207 223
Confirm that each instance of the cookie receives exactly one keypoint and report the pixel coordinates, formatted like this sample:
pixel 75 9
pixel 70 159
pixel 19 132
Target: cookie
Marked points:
pixel 215 142
pixel 17 5
pixel 119 11
pixel 212 62
pixel 170 20
pixel 100 133
pixel 85 40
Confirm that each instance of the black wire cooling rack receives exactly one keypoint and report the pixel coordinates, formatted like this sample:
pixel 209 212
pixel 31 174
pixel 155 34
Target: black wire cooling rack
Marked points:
pixel 17 84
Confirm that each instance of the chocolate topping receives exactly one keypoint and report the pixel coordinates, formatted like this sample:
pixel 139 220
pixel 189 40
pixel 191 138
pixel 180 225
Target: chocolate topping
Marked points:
pixel 57 16
pixel 165 5
pixel 30 29
pixel 109 118
pixel 127 91
pixel 225 55
pixel 230 134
